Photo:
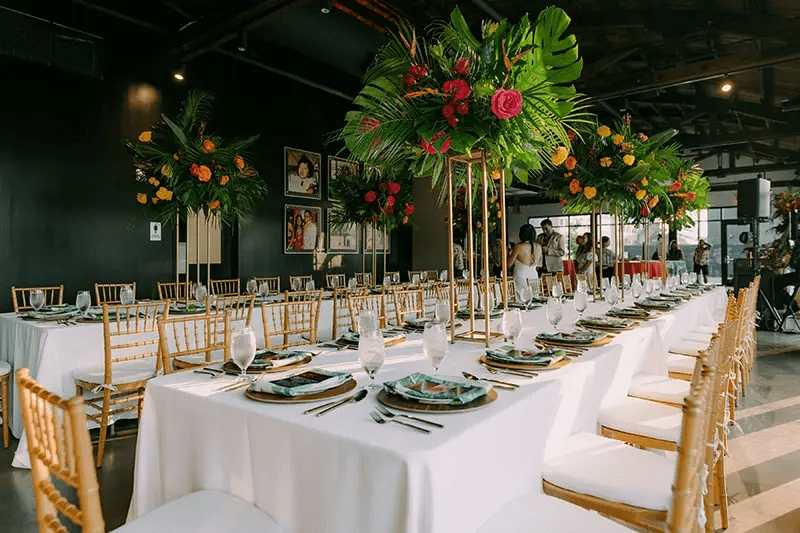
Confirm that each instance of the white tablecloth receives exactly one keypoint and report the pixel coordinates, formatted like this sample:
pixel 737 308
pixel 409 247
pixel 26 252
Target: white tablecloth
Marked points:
pixel 343 472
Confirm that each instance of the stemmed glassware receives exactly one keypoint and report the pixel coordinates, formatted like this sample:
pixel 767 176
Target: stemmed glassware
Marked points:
pixel 243 349
pixel 648 287
pixel 554 311
pixel 557 290
pixel 657 286
pixel 527 295
pixel 370 345
pixel 83 301
pixel 612 295
pixel 685 278
pixel 581 286
pixel 310 286
pixel 396 277
pixel 126 295
pixel 581 301
pixel 693 277
pixel 37 299
pixel 443 276
pixel 200 293
pixel 423 276
pixel 263 289
pixel 442 310
pixel 252 286
pixel 352 283
pixel 434 343
pixel 387 280
pixel 512 326
pixel 296 284
pixel 636 289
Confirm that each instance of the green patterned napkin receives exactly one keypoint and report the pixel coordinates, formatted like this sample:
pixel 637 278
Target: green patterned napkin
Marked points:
pixel 276 358
pixel 464 313
pixel 605 322
pixel 351 337
pixel 431 389
pixel 649 303
pixel 308 382
pixel 629 312
pixel 510 355
pixel 576 337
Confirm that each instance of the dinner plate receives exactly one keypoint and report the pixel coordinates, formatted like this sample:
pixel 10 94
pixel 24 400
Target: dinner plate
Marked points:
pixel 231 367
pixel 399 402
pixel 522 366
pixel 268 397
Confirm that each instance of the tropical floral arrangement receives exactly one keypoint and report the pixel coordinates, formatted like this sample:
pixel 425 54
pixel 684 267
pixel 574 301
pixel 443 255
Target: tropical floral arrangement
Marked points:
pixel 779 252
pixel 185 169
pixel 687 193
pixel 460 211
pixel 508 92
pixel 367 194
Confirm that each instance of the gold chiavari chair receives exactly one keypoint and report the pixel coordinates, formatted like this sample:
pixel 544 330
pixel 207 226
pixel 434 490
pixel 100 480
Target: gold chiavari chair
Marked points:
pixel 408 304
pixel 341 310
pixel 393 275
pixel 307 296
pixel 61 458
pixel 299 281
pixel 273 283
pixel 5 372
pixel 364 279
pixel 108 293
pixel 130 346
pixel 226 287
pixel 373 302
pixel 194 340
pixel 430 293
pixel 335 280
pixel 412 273
pixel 547 284
pixel 295 322
pixel 463 287
pixel 432 275
pixel 566 282
pixel 240 308
pixel 20 296
pixel 170 290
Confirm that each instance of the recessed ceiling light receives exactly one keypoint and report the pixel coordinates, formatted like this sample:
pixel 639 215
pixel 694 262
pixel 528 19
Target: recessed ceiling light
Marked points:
pixel 726 87
pixel 325 6
pixel 180 73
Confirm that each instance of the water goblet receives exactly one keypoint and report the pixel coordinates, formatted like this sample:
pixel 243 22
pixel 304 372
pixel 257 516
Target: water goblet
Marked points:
pixel 685 278
pixel 37 299
pixel 252 286
pixel 387 280
pixel 465 274
pixel 443 276
pixel 611 295
pixel 657 285
pixel 310 286
pixel 263 289
pixel 352 283
pixel 512 326
pixel 537 290
pixel 554 311
pixel 296 284
pixel 581 301
pixel 527 296
pixel 423 276
pixel 200 293
pixel 693 277
pixel 371 354
pixel 636 289
pixel 557 290
pixel 243 349
pixel 648 287
pixel 581 286
pixel 442 310
pixel 434 343
pixel 396 277
pixel 83 301
pixel 367 321
pixel 126 295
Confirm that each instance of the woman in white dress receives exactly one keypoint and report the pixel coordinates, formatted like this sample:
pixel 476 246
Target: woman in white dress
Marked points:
pixel 525 256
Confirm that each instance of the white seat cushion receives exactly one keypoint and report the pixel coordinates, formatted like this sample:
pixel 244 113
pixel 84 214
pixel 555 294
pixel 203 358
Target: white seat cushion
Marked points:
pixel 124 372
pixel 643 417
pixel 659 388
pixel 5 368
pixel 538 512
pixel 206 511
pixel 688 347
pixel 608 469
pixel 682 364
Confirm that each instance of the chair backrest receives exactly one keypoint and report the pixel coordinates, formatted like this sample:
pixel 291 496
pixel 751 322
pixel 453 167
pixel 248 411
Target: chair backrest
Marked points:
pixel 273 283
pixel 536 285
pixel 364 279
pixel 374 302
pixel 171 290
pixel 335 280
pixel 239 307
pixel 108 293
pixel 307 296
pixel 193 335
pixel 341 310
pixel 20 296
pixel 59 447
pixel 430 294
pixel 463 287
pixel 406 303
pixel 299 279
pixel 295 322
pixel 566 282
pixel 432 275
pixel 412 273
pixel 547 284
pixel 392 275
pixel 226 287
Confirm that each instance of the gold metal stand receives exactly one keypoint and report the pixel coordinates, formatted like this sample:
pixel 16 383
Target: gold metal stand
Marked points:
pixel 503 241
pixel 600 254
pixel 663 253
pixel 619 251
pixel 646 258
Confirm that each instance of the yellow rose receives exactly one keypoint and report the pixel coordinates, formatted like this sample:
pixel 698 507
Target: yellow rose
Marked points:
pixel 618 138
pixel 628 159
pixel 166 170
pixel 604 131
pixel 141 198
pixel 644 181
pixel 605 162
pixel 154 199
pixel 559 156
pixel 146 136
pixel 239 162
pixel 640 194
pixel 496 174
pixel 499 214
pixel 207 147
pixel 643 137
pixel 154 182
pixel 164 194
pixel 589 192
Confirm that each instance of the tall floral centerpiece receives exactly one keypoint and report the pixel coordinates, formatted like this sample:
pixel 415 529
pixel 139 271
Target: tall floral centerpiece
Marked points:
pixel 785 206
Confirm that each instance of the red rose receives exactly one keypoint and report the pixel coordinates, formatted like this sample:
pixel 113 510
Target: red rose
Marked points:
pixel 462 108
pixel 414 71
pixel 370 196
pixel 448 111
pixel 691 196
pixel 452 122
pixel 422 70
pixel 394 187
pixel 562 202
pixel 462 66
pixel 506 103
pixel 390 201
pixel 389 210
pixel 458 89
pixel 194 170
pixel 446 145
pixel 645 210
pixel 676 186
pixel 409 209
pixel 409 80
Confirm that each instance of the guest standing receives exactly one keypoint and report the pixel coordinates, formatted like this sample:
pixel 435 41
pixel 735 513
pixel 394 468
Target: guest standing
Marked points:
pixel 584 256
pixel 459 258
pixel 674 253
pixel 524 257
pixel 700 259
pixel 609 259
pixel 553 248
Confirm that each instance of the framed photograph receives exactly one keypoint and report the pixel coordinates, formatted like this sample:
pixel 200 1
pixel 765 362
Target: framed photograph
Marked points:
pixel 379 244
pixel 302 225
pixel 301 171
pixel 334 164
pixel 344 240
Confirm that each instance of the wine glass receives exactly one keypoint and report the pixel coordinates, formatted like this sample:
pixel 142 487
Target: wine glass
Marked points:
pixel 396 277
pixel 611 295
pixel 648 287
pixel 263 289
pixel 243 349
pixel 415 279
pixel 334 282
pixel 557 289
pixel 126 295
pixel 581 301
pixel 367 321
pixel 310 286
pixel 636 289
pixel 434 343
pixel 387 280
pixel 83 301
pixel 554 311
pixel 442 310
pixel 465 274
pixel 352 283
pixel 512 325
pixel 37 299
pixel 536 290
pixel 252 286
pixel 443 276
pixel 296 284
pixel 685 278
pixel 693 277
pixel 423 276
pixel 527 295
pixel 200 293
pixel 370 353
pixel 657 285
pixel 581 286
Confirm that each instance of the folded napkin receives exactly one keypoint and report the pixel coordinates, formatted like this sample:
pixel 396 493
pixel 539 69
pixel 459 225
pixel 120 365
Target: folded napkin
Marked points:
pixel 276 358
pixel 629 311
pixel 541 358
pixel 308 382
pixel 431 389
pixel 182 307
pixel 351 337
pixel 52 312
pixel 656 304
pixel 464 313
pixel 576 337
pixel 605 322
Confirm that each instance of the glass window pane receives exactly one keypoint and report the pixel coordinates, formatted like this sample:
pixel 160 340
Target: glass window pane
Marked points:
pixel 579 220
pixel 730 213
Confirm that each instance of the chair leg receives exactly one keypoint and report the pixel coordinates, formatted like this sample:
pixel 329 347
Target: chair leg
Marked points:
pixel 101 444
pixel 4 404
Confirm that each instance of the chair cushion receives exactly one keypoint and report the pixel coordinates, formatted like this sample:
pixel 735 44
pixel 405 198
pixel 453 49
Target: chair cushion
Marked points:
pixel 538 512
pixel 124 372
pixel 687 347
pixel 682 364
pixel 205 511
pixel 659 388
pixel 608 469
pixel 5 368
pixel 643 417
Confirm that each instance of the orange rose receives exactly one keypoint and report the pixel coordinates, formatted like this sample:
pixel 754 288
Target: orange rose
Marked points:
pixel 154 199
pixel 604 131
pixel 224 179
pixel 628 159
pixel 154 182
pixel 239 162
pixel 653 201
pixel 146 136
pixel 574 186
pixel 589 192
pixel 568 174
pixel 175 156
pixel 213 205
pixel 203 173
pixel 559 156
pixel 166 170
pixel 141 198
pixel 643 137
pixel 605 161
pixel 644 181
pixel 640 194
pixel 570 162
pixel 496 174
pixel 208 147
pixel 618 138
pixel 164 194
pixel 405 220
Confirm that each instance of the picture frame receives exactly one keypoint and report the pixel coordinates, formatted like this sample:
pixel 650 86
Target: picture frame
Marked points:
pixel 302 176
pixel 334 164
pixel 345 240
pixel 378 240
pixel 302 225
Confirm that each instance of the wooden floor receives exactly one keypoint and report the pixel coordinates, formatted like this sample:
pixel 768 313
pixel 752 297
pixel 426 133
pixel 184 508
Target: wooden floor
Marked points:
pixel 763 464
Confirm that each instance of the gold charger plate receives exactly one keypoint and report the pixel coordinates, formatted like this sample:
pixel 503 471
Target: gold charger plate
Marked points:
pixel 268 397
pixel 521 366
pixel 404 404
pixel 231 367
pixel 600 342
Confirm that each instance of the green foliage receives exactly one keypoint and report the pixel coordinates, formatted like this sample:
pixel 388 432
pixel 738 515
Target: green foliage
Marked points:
pixel 362 195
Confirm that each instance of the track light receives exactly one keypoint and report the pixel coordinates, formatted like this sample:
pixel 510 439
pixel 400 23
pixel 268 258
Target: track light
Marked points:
pixel 242 46
pixel 179 74
pixel 325 6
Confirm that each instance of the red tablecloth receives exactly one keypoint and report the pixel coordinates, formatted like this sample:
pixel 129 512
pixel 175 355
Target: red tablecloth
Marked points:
pixel 653 268
pixel 569 270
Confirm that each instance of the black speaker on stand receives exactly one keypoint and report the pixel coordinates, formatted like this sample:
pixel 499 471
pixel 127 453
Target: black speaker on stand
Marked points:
pixel 753 201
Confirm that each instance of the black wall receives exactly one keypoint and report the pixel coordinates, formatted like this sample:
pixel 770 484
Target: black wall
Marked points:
pixel 67 194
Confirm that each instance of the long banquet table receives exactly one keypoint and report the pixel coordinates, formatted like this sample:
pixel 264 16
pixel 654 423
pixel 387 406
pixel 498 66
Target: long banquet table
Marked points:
pixel 343 472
